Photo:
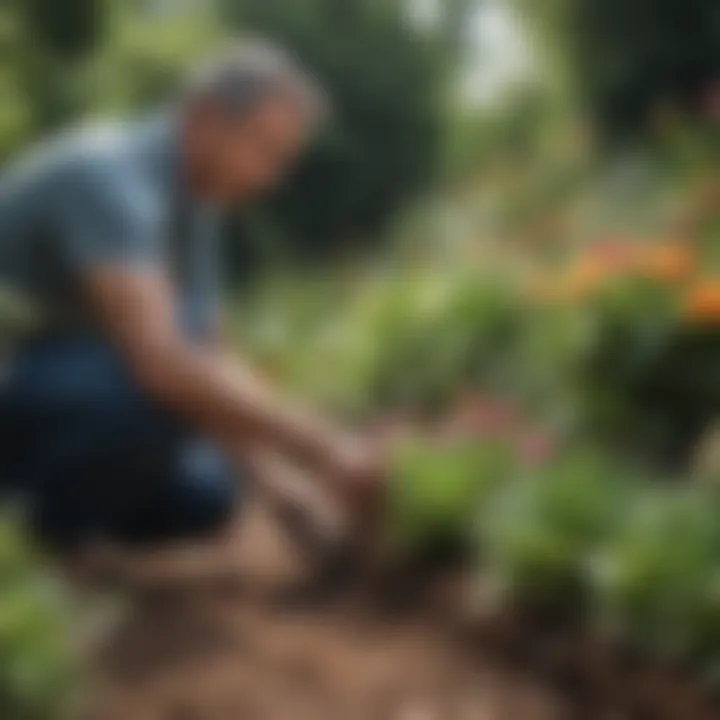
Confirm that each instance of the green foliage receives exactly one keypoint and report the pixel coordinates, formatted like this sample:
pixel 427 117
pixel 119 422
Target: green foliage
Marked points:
pixel 586 533
pixel 582 538
pixel 436 492
pixel 147 54
pixel 68 29
pixel 37 669
pixel 621 367
pixel 629 60
pixel 541 530
pixel 42 82
pixel 645 381
pixel 416 342
pixel 656 581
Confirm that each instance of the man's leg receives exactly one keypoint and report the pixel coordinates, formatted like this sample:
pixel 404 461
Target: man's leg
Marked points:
pixel 101 462
pixel 86 497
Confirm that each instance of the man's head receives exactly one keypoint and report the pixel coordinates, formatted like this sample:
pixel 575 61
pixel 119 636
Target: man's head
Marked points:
pixel 248 115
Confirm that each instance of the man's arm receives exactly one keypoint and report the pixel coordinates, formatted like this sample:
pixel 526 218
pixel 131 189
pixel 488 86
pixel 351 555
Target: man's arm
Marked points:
pixel 205 386
pixel 111 221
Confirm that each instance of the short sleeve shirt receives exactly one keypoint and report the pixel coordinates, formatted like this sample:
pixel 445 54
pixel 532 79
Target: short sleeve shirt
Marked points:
pixel 102 196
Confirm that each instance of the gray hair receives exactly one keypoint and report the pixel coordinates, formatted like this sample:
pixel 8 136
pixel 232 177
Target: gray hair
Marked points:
pixel 252 71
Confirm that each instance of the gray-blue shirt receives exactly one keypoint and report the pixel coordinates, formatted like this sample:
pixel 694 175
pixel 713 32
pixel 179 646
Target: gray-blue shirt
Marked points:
pixel 103 195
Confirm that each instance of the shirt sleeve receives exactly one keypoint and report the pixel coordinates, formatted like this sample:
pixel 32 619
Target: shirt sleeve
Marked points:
pixel 109 216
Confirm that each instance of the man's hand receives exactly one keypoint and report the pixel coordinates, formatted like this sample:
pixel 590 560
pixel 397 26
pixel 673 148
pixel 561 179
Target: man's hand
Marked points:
pixel 219 394
pixel 361 474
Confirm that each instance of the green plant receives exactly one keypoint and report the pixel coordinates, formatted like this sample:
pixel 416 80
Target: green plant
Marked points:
pixel 436 493
pixel 656 581
pixel 538 535
pixel 37 668
pixel 647 381
pixel 418 342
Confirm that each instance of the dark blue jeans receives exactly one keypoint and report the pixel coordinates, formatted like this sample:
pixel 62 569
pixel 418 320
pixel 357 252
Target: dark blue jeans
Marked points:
pixel 96 459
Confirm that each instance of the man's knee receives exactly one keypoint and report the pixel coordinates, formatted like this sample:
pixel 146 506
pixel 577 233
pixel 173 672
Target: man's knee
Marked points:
pixel 209 490
pixel 54 385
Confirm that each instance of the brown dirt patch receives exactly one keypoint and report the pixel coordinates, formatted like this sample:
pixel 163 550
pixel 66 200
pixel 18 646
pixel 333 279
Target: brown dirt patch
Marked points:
pixel 230 651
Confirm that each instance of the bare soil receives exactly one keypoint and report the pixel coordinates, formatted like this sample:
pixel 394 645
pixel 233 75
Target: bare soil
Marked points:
pixel 237 650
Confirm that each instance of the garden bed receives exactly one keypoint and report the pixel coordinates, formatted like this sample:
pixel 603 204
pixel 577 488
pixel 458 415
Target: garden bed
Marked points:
pixel 232 653
pixel 219 652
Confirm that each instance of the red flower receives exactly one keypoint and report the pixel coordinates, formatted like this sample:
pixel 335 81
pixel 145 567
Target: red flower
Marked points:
pixel 537 448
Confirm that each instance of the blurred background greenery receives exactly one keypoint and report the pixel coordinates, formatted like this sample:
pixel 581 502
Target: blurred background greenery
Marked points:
pixel 510 233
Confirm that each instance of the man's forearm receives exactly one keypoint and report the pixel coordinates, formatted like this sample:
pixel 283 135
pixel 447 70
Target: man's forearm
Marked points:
pixel 228 400
pixel 210 390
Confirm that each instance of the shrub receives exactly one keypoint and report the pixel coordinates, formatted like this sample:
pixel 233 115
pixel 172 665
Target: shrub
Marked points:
pixel 539 533
pixel 436 492
pixel 642 376
pixel 655 582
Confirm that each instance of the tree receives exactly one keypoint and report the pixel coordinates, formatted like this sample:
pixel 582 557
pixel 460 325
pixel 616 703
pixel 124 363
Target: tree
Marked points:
pixel 68 29
pixel 627 57
pixel 47 46
pixel 641 53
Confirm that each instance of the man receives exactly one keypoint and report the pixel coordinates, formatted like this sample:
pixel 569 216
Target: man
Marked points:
pixel 121 414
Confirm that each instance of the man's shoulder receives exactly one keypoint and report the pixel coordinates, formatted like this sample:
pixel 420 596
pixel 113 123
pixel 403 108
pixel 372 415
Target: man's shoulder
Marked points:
pixel 97 153
pixel 97 143
pixel 112 177
pixel 90 153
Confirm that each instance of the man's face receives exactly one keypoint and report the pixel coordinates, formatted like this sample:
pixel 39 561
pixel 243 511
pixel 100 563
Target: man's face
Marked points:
pixel 233 160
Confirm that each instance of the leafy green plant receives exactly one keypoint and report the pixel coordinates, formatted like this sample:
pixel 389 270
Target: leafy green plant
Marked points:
pixel 647 381
pixel 37 668
pixel 418 342
pixel 538 535
pixel 437 492
pixel 656 581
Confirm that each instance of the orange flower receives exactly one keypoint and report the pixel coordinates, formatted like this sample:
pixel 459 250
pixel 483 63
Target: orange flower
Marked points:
pixel 583 279
pixel 574 283
pixel 703 302
pixel 670 263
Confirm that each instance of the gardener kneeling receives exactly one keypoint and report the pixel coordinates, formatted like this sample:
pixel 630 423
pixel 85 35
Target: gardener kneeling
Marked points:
pixel 121 414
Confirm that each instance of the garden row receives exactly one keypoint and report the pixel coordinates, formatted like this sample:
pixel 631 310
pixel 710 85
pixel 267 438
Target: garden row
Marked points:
pixel 579 541
pixel 563 411
pixel 621 346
